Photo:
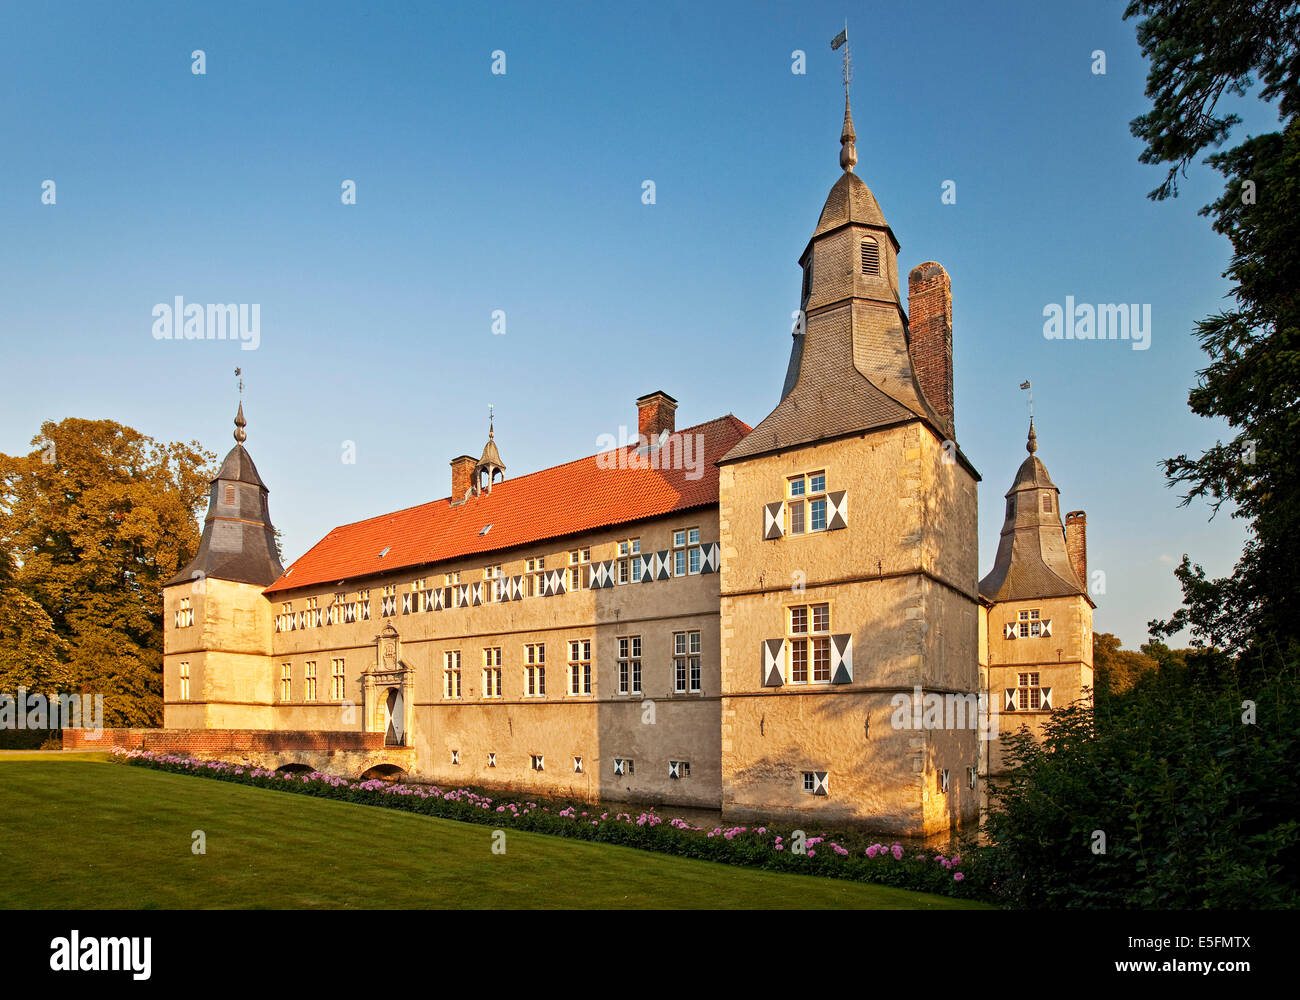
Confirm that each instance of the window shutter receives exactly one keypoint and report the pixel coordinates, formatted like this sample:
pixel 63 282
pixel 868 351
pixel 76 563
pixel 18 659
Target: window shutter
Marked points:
pixel 772 656
pixel 1047 627
pixel 674 769
pixel 1011 700
pixel 476 594
pixel 821 782
pixel 837 510
pixel 772 521
pixel 842 659
pixel 406 604
pixel 665 568
pixel 649 567
pixel 438 599
pixel 1046 701
pixel 1009 630
pixel 709 557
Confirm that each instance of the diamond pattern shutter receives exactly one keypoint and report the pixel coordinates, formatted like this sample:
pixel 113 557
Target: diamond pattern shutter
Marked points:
pixel 438 599
pixel 1046 701
pixel 406 604
pixel 837 510
pixel 709 557
pixel 773 650
pixel 516 588
pixel 1011 700
pixel 841 659
pixel 674 769
pixel 649 566
pixel 462 595
pixel 1009 630
pixel 821 782
pixel 772 521
pixel 476 594
pixel 665 568
pixel 1047 627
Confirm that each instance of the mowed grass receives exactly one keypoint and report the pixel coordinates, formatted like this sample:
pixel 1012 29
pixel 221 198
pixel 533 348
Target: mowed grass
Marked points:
pixel 85 835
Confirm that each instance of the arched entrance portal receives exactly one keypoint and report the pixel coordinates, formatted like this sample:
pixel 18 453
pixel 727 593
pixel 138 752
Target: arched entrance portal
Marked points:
pixel 388 691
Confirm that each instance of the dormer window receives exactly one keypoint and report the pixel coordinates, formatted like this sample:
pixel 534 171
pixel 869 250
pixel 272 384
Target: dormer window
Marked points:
pixel 870 256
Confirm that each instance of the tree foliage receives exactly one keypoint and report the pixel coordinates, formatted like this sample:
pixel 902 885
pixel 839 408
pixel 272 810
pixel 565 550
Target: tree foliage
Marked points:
pixel 92 522
pixel 1199 53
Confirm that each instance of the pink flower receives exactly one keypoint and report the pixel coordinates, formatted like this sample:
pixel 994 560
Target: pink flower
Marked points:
pixel 958 877
pixel 898 853
pixel 873 850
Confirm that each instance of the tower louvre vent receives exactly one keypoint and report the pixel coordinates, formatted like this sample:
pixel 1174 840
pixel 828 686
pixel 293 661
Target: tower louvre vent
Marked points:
pixel 870 256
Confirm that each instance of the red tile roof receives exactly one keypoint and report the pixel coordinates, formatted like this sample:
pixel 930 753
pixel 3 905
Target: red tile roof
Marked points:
pixel 565 499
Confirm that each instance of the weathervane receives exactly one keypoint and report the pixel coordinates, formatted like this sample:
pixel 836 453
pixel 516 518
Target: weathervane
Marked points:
pixel 490 419
pixel 843 39
pixel 238 372
pixel 1030 388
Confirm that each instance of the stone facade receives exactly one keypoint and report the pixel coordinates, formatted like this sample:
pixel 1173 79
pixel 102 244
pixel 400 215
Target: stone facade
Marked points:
pixel 741 640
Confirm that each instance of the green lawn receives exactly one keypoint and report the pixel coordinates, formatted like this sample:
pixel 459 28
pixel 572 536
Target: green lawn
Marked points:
pixel 93 835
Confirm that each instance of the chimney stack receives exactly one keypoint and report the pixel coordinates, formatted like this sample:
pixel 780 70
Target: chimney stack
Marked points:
pixel 462 476
pixel 929 307
pixel 1076 544
pixel 655 414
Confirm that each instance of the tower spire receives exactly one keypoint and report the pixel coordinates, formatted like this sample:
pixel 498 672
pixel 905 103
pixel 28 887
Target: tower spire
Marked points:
pixel 848 138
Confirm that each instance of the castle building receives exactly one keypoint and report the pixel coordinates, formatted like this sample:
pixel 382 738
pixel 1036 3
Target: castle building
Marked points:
pixel 719 616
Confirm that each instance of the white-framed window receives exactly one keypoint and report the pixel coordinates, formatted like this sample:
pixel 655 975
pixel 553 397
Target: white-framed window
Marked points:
pixel 451 673
pixel 314 613
pixel 537 761
pixel 451 579
pixel 455 756
pixel 185 680
pixel 492 588
pixel 1030 625
pixel 363 605
pixel 805 504
pixel 623 766
pixel 309 681
pixel 816 782
pixel 628 564
pixel 577 765
pixel 286 682
pixel 534 576
pixel 580 666
pixel 284 621
pixel 679 769
pixel 336 679
pixel 686 662
pixel 492 672
pixel 535 670
pixel 808 646
pixel 686 551
pixel 629 664
pixel 578 560
pixel 1029 694
pixel 492 759
pixel 184 616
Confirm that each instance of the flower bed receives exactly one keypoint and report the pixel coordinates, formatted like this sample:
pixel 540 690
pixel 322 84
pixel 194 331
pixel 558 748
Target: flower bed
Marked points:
pixel 850 856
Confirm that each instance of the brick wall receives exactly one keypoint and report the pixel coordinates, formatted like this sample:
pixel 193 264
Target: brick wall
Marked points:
pixel 656 413
pixel 929 305
pixel 221 740
pixel 1076 543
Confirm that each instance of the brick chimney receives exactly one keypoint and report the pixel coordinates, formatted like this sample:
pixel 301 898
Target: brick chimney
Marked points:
pixel 655 414
pixel 462 476
pixel 1076 543
pixel 929 307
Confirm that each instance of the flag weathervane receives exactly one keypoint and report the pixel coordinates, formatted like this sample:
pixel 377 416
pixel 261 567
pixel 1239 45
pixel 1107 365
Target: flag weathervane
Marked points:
pixel 1025 385
pixel 238 373
pixel 842 39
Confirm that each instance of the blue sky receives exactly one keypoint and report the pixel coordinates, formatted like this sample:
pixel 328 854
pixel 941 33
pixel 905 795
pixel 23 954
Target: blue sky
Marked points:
pixel 522 192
